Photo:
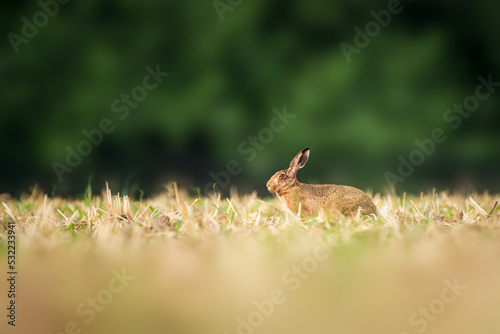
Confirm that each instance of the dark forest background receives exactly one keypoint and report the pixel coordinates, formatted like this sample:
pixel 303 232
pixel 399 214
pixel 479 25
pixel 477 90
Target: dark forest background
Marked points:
pixel 230 74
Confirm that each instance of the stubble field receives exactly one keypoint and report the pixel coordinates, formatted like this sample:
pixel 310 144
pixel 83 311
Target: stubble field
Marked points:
pixel 178 263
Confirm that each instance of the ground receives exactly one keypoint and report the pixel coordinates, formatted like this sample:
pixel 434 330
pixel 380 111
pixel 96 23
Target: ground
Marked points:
pixel 178 263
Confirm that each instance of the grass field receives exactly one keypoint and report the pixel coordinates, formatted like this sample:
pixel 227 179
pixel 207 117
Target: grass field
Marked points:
pixel 178 263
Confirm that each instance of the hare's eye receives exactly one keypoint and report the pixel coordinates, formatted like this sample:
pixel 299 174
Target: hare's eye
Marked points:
pixel 282 176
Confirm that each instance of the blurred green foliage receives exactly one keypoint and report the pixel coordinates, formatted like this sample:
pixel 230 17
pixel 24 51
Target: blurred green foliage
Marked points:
pixel 227 76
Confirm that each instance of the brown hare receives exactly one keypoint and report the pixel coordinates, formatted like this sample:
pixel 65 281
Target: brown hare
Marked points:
pixel 313 198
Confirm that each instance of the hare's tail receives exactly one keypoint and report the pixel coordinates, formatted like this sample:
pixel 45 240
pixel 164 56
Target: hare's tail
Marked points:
pixel 384 211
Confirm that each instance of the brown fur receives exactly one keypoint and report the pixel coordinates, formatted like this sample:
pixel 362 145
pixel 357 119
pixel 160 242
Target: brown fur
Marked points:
pixel 312 198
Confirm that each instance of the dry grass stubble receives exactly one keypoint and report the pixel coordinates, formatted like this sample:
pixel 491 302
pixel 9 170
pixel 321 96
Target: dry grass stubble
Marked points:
pixel 201 265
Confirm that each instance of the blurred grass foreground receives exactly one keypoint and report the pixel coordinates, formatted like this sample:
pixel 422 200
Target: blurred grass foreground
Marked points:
pixel 181 264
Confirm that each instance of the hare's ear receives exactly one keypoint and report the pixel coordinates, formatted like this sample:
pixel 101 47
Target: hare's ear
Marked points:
pixel 299 161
